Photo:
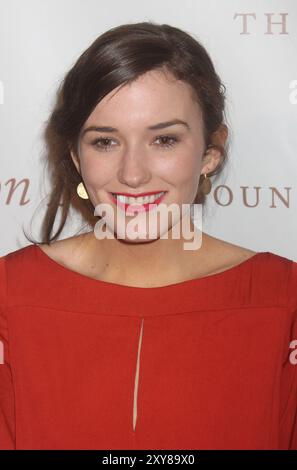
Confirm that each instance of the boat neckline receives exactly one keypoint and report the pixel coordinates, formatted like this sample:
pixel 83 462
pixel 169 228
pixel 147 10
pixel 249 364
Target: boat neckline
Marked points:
pixel 184 283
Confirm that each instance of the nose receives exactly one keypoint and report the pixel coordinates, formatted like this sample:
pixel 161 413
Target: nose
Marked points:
pixel 133 170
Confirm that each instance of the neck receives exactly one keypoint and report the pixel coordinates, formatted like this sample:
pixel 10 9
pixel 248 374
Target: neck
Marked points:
pixel 148 262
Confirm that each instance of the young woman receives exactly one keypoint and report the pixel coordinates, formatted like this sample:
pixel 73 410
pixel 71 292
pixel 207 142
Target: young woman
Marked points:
pixel 118 342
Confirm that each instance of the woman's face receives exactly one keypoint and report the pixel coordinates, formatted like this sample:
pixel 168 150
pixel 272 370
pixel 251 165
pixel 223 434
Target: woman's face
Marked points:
pixel 140 154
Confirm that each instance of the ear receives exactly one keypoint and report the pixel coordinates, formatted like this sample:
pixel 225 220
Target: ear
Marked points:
pixel 210 160
pixel 75 159
pixel 213 155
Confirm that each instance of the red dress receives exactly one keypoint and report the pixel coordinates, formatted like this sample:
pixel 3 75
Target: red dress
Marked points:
pixel 206 363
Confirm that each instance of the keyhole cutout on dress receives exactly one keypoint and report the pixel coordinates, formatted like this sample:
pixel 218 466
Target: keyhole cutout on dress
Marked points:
pixel 137 377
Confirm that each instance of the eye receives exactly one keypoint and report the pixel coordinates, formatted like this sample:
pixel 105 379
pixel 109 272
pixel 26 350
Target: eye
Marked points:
pixel 167 142
pixel 170 140
pixel 103 140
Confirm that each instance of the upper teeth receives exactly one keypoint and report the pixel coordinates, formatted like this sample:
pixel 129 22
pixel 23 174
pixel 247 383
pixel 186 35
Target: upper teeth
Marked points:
pixel 138 200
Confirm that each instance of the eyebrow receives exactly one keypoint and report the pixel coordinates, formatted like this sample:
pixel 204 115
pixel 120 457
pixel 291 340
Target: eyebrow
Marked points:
pixel 160 125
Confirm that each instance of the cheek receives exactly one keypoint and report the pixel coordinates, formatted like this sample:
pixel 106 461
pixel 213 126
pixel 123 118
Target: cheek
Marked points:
pixel 182 169
pixel 96 174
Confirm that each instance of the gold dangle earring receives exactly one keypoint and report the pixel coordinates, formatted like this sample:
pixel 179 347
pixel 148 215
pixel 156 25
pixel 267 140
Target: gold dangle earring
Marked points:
pixel 81 191
pixel 205 184
pixel 204 181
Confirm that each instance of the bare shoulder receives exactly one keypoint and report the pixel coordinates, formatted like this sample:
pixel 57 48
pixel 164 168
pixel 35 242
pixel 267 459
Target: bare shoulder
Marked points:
pixel 68 251
pixel 225 255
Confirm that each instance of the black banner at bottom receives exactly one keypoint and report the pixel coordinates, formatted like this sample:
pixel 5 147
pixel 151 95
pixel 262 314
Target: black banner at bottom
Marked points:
pixel 134 459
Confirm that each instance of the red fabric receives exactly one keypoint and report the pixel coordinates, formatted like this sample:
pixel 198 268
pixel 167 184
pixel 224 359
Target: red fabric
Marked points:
pixel 214 368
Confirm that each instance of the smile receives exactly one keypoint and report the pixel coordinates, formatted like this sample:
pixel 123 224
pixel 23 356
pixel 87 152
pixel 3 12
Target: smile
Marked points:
pixel 143 203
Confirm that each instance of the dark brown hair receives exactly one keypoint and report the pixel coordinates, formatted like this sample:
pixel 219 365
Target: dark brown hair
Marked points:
pixel 117 57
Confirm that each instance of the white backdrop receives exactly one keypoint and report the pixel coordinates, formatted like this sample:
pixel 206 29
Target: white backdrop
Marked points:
pixel 253 46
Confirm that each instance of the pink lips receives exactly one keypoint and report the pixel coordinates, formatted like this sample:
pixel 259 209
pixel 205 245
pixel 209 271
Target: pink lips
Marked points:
pixel 137 207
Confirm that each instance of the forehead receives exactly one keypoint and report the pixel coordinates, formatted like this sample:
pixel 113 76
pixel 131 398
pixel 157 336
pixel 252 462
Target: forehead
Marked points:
pixel 152 97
